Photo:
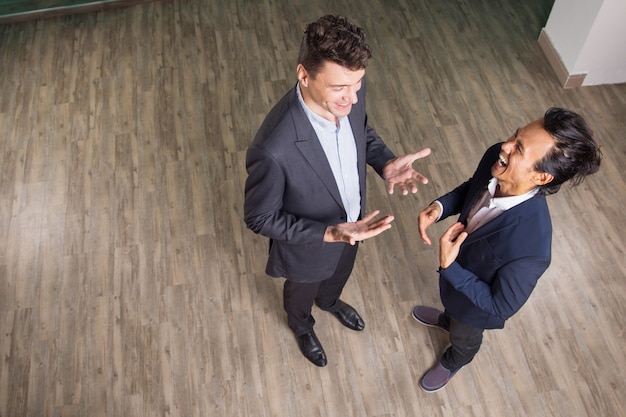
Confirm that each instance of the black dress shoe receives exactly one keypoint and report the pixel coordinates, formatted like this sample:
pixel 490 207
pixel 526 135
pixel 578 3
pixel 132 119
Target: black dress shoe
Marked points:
pixel 311 348
pixel 348 316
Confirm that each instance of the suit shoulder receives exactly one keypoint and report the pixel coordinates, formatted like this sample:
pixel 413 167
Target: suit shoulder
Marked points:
pixel 535 216
pixel 278 125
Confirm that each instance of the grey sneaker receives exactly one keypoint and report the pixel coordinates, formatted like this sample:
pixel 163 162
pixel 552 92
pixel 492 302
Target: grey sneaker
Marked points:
pixel 436 378
pixel 428 316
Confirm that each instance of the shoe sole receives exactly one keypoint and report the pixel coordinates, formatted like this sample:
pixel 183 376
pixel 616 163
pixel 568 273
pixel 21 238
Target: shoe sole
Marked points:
pixel 434 390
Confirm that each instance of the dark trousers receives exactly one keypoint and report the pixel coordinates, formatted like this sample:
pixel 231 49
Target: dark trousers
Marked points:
pixel 298 297
pixel 465 342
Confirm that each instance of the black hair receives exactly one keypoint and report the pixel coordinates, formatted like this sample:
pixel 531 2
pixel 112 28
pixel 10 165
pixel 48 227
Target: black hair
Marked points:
pixel 575 153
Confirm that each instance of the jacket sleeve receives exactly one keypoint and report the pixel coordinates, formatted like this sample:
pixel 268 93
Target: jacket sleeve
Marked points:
pixel 453 201
pixel 377 153
pixel 510 289
pixel 263 205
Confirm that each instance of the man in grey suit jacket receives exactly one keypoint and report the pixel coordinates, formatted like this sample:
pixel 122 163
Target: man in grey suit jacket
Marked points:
pixel 491 259
pixel 306 178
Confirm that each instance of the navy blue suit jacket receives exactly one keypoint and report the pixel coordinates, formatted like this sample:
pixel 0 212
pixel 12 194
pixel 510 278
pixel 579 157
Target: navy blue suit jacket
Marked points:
pixel 291 195
pixel 499 263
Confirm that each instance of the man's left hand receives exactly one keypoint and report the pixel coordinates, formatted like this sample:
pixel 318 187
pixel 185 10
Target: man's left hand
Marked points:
pixel 399 171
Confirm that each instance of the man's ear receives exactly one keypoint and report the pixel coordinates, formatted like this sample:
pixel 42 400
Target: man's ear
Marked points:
pixel 543 178
pixel 303 75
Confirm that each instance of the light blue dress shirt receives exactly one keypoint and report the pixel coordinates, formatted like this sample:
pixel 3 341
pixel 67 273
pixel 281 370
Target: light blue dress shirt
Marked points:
pixel 340 149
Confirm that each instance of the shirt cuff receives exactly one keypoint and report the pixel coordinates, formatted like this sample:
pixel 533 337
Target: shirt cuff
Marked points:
pixel 440 211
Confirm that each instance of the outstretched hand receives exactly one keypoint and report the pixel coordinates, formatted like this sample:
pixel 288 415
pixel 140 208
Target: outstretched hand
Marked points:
pixel 399 171
pixel 360 230
pixel 450 244
pixel 426 218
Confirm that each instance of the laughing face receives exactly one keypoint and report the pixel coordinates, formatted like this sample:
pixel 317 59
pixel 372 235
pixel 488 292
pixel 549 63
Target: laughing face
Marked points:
pixel 332 92
pixel 515 167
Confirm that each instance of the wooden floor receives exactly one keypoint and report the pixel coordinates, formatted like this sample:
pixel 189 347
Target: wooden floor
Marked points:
pixel 12 11
pixel 129 285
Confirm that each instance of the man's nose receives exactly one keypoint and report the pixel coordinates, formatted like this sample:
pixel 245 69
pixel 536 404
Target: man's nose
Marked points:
pixel 352 95
pixel 507 146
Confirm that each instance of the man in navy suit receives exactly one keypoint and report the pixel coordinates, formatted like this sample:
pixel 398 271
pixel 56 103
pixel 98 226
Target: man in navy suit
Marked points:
pixel 491 259
pixel 306 178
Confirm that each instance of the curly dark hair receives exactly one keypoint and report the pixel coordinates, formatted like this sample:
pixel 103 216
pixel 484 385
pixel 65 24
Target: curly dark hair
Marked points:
pixel 335 39
pixel 575 153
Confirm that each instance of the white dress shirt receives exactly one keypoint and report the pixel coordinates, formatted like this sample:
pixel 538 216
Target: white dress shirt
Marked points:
pixel 488 207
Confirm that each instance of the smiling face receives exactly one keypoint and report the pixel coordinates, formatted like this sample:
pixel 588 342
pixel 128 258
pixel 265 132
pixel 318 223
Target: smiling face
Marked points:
pixel 332 92
pixel 515 167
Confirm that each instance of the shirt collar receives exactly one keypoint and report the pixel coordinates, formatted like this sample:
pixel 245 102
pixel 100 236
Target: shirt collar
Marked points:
pixel 505 203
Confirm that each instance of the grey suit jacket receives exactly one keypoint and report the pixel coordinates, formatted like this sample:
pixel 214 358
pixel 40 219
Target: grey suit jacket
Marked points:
pixel 291 195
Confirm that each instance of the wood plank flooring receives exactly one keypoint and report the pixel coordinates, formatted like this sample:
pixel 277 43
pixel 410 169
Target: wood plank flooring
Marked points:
pixel 129 285
pixel 12 11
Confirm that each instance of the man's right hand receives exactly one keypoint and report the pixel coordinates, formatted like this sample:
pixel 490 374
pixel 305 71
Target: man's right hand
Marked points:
pixel 360 230
pixel 427 217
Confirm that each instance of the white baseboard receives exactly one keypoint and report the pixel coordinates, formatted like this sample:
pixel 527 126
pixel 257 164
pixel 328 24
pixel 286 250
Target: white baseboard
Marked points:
pixel 566 79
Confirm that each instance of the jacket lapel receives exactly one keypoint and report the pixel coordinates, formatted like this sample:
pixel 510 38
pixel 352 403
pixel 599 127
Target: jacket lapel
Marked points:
pixel 508 219
pixel 309 146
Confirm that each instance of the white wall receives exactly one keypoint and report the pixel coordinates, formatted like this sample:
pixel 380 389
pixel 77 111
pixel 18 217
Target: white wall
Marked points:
pixel 590 38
